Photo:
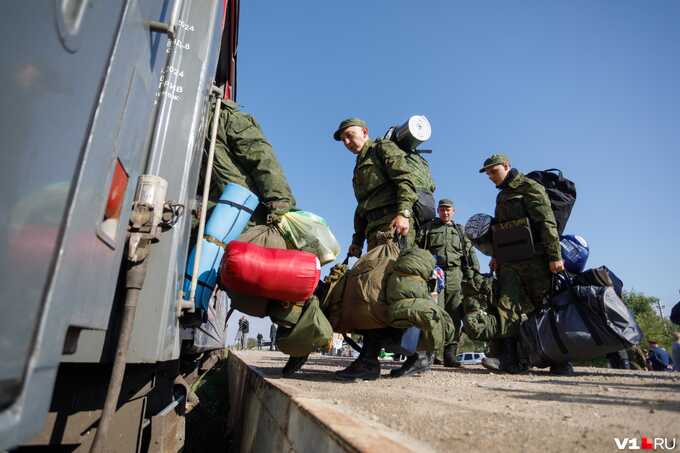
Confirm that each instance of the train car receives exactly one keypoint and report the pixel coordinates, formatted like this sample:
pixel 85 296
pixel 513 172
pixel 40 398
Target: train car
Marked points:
pixel 104 103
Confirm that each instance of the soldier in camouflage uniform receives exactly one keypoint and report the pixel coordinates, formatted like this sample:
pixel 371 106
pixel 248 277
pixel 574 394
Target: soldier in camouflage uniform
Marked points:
pixel 386 182
pixel 244 156
pixel 454 254
pixel 522 285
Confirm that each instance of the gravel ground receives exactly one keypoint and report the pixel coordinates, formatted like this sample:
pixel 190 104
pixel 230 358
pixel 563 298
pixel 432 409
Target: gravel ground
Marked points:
pixel 472 409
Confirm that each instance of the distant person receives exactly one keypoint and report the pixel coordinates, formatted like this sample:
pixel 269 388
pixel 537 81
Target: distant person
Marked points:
pixel 454 255
pixel 676 352
pixel 259 341
pixel 243 328
pixel 658 357
pixel 272 337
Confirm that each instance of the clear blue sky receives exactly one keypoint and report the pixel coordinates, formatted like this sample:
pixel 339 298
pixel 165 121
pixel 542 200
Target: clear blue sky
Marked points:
pixel 590 87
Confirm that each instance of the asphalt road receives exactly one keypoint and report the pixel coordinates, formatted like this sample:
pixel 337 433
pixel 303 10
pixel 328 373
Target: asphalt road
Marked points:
pixel 470 409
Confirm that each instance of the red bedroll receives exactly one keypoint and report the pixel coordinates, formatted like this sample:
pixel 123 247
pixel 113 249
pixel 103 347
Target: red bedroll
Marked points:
pixel 285 275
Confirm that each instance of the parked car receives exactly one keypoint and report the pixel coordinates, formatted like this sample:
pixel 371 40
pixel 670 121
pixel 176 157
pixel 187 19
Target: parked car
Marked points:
pixel 470 358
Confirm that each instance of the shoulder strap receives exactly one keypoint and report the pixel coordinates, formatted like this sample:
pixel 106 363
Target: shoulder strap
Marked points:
pixel 467 248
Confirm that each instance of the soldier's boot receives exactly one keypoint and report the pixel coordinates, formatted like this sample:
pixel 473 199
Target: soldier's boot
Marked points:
pixel 366 366
pixel 562 369
pixel 293 365
pixel 415 363
pixel 450 353
pixel 508 360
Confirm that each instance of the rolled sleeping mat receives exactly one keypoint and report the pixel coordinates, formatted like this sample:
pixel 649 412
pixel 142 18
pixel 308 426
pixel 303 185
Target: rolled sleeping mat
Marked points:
pixel 231 213
pixel 575 252
pixel 277 274
pixel 227 220
pixel 478 230
pixel 208 267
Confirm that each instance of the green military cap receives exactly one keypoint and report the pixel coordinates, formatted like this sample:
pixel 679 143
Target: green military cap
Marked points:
pixel 445 202
pixel 347 123
pixel 495 159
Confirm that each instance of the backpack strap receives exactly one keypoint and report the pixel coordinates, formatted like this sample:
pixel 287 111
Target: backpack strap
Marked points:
pixel 467 247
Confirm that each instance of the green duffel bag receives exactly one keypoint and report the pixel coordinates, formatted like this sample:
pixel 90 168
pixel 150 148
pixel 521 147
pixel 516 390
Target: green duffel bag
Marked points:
pixel 284 314
pixel 312 331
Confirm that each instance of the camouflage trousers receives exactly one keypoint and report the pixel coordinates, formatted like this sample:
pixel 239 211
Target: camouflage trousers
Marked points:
pixel 434 323
pixel 521 289
pixel 452 297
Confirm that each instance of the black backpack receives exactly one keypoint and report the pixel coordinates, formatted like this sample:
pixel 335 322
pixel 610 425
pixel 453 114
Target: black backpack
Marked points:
pixel 561 192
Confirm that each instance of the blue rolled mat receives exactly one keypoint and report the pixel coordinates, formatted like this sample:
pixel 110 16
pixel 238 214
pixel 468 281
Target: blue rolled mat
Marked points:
pixel 228 219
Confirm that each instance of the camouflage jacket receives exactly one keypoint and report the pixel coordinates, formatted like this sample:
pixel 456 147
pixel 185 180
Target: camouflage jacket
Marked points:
pixel 244 156
pixel 521 197
pixel 449 247
pixel 386 181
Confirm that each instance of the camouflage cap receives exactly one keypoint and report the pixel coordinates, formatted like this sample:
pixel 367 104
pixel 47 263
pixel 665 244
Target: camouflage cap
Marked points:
pixel 445 202
pixel 495 159
pixel 347 123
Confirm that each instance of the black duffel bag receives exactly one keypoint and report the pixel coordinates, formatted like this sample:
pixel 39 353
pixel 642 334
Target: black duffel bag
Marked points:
pixel 580 323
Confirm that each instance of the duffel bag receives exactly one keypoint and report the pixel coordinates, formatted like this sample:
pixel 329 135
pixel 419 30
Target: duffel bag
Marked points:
pixel 285 275
pixel 266 236
pixel 311 332
pixel 580 323
pixel 362 305
pixel 599 276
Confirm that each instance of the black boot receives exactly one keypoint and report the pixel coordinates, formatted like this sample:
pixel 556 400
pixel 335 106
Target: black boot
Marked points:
pixel 415 363
pixel 562 369
pixel 507 361
pixel 450 353
pixel 292 365
pixel 366 366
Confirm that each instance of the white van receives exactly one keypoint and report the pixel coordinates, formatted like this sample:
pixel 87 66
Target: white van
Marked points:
pixel 470 358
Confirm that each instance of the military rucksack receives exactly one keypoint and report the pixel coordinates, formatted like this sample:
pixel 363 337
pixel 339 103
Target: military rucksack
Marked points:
pixel 561 192
pixel 424 208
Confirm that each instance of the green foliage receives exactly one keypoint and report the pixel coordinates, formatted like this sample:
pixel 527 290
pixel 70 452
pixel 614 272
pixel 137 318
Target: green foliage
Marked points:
pixel 653 326
pixel 251 343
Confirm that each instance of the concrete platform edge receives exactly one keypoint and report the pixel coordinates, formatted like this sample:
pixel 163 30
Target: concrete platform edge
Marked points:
pixel 265 416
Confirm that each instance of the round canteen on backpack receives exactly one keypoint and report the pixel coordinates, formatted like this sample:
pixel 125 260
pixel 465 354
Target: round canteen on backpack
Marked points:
pixel 575 252
pixel 277 274
pixel 478 230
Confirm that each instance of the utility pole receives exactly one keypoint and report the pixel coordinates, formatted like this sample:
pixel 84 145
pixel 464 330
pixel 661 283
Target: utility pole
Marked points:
pixel 665 324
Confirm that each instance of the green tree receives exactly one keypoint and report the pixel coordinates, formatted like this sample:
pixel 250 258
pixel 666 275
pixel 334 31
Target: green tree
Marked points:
pixel 653 326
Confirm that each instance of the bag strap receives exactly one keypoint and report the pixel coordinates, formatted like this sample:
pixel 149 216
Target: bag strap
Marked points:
pixel 351 342
pixel 467 248
pixel 554 170
pixel 552 318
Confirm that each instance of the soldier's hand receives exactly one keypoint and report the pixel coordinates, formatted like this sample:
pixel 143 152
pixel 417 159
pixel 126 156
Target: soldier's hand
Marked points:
pixel 400 225
pixel 354 250
pixel 493 265
pixel 556 266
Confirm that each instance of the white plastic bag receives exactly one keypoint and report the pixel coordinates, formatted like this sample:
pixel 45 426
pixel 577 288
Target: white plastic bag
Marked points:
pixel 309 232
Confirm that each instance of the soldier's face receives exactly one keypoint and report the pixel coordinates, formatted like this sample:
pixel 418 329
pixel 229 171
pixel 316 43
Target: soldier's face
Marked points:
pixel 445 213
pixel 497 173
pixel 354 138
